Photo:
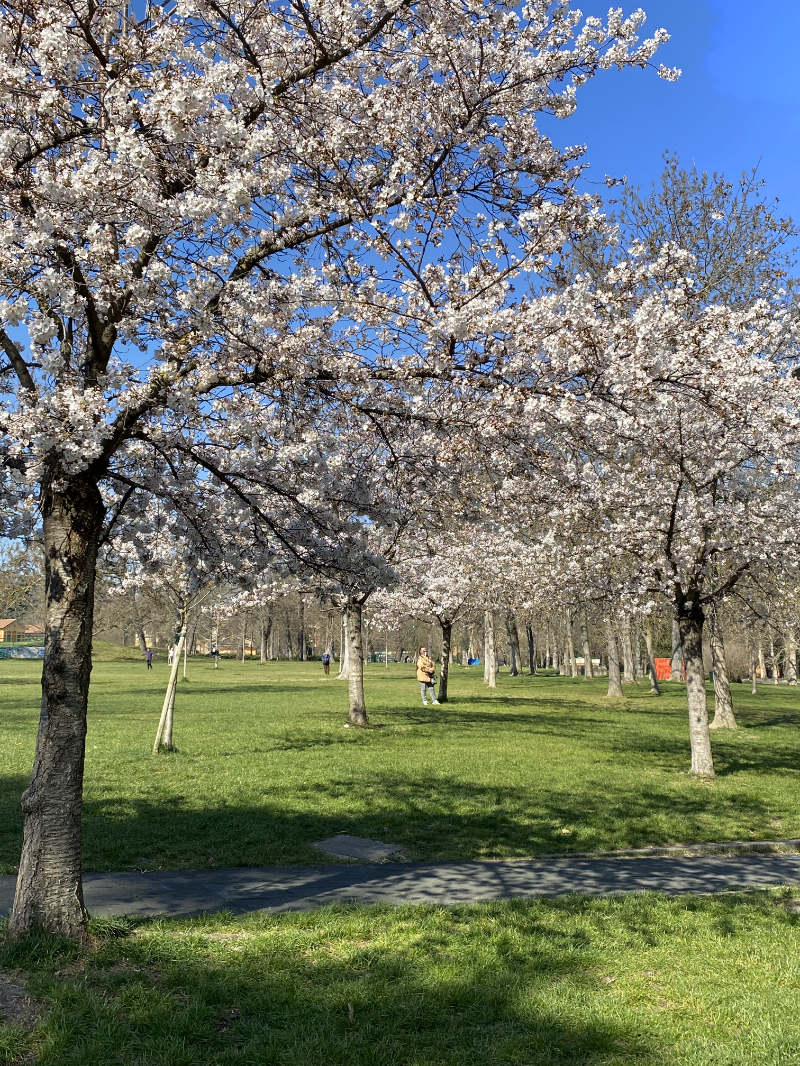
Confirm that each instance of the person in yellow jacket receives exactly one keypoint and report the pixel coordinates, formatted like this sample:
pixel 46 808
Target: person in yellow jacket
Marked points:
pixel 426 668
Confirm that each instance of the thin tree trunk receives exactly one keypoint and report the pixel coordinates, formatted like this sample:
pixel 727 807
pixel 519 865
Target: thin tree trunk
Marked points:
pixel 531 648
pixel 344 664
pixel 753 682
pixel 357 712
pixel 587 651
pixel 163 738
pixel 447 633
pixel 244 637
pixel 676 664
pixel 491 650
pixel 614 682
pixel 690 622
pixel 513 642
pixel 573 666
pixel 49 893
pixel 762 662
pixel 301 633
pixel 723 701
pixel 651 666
pixel 773 661
pixel 790 653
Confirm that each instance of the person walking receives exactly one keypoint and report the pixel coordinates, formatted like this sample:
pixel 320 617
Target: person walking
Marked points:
pixel 149 657
pixel 426 668
pixel 326 662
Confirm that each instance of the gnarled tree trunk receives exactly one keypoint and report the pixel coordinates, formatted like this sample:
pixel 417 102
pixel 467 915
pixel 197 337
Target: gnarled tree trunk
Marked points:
pixel 49 889
pixel 163 740
pixel 513 642
pixel 344 665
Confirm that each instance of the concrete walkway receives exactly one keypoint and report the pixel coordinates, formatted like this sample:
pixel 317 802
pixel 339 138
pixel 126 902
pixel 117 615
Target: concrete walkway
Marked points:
pixel 289 888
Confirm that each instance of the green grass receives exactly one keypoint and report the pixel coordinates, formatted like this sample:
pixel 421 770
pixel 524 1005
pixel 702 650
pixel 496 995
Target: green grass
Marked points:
pixel 266 766
pixel 628 981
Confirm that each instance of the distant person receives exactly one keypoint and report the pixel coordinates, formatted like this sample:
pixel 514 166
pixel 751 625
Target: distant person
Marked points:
pixel 171 654
pixel 149 658
pixel 326 662
pixel 426 668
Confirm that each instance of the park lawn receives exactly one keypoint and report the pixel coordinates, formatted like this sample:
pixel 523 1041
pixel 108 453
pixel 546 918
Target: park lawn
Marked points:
pixel 627 981
pixel 266 766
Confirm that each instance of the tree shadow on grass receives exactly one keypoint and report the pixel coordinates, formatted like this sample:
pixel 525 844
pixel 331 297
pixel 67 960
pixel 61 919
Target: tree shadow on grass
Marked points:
pixel 417 986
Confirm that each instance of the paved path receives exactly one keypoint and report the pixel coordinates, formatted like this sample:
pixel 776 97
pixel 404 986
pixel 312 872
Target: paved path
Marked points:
pixel 288 888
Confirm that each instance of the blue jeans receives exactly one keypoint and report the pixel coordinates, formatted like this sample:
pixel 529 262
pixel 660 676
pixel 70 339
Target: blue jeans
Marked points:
pixel 423 688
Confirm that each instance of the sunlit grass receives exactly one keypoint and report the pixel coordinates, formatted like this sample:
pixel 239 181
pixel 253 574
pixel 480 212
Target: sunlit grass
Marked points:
pixel 266 766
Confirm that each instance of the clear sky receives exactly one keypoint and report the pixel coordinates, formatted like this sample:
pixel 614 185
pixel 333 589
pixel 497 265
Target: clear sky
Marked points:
pixel 737 103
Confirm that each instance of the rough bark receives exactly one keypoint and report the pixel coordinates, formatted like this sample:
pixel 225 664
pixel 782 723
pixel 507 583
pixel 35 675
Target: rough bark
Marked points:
pixel 676 665
pixel 723 701
pixel 357 712
pixel 651 666
pixel 587 651
pixel 447 635
pixel 614 681
pixel 49 892
pixel 690 622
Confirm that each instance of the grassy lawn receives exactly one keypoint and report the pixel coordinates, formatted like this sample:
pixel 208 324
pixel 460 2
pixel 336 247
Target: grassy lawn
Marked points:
pixel 633 981
pixel 266 766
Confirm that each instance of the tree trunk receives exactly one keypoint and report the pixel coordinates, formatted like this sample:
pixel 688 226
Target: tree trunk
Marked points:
pixel 49 892
pixel 587 651
pixel 163 738
pixel 790 653
pixel 301 632
pixel 357 713
pixel 762 662
pixel 773 661
pixel 753 682
pixel 491 650
pixel 531 649
pixel 690 622
pixel 447 634
pixel 573 666
pixel 628 669
pixel 513 642
pixel 676 665
pixel 723 701
pixel 344 664
pixel 651 666
pixel 614 682
pixel 244 637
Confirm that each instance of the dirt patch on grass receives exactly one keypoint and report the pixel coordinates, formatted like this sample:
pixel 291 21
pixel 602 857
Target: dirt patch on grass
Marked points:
pixel 17 1007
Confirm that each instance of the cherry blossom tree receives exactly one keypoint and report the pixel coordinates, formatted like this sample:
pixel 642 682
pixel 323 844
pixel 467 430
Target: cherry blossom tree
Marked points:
pixel 211 198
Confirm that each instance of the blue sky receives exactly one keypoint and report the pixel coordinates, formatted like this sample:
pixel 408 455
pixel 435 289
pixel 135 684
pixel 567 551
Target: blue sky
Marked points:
pixel 736 104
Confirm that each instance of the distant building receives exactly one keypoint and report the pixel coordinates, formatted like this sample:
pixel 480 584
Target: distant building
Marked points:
pixel 11 629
